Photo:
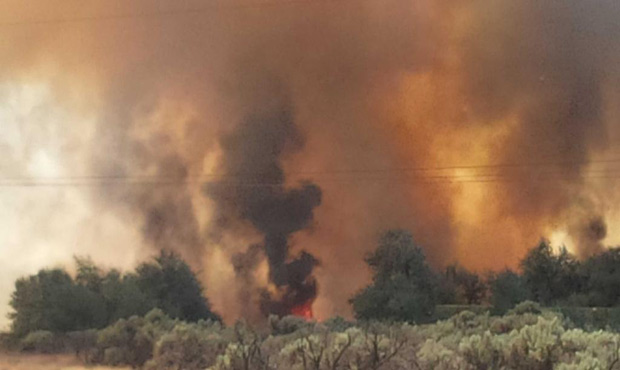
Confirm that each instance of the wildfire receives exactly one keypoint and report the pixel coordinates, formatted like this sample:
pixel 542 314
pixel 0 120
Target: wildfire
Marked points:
pixel 304 310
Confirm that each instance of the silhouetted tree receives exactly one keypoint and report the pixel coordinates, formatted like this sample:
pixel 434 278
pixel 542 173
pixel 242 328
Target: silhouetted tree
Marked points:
pixel 50 300
pixel 123 296
pixel 170 283
pixel 403 286
pixel 602 272
pixel 551 277
pixel 88 274
pixel 468 287
pixel 507 290
pixel 53 301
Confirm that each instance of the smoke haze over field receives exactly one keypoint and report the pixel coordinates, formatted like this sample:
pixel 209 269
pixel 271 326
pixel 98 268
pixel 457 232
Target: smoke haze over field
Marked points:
pixel 270 142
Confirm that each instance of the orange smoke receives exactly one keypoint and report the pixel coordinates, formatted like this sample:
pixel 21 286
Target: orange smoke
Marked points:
pixel 480 126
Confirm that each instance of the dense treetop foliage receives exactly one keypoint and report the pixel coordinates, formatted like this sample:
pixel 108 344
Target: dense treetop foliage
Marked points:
pixel 403 287
pixel 550 276
pixel 507 288
pixel 560 279
pixel 52 300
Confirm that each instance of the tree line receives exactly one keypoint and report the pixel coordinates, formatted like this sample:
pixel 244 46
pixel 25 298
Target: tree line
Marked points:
pixel 52 300
pixel 404 288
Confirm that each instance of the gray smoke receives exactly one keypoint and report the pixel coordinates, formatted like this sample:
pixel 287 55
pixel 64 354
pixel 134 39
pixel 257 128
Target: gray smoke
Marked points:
pixel 253 189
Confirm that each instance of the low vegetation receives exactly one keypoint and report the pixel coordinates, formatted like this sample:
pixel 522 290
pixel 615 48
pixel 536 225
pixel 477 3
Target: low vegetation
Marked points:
pixel 526 337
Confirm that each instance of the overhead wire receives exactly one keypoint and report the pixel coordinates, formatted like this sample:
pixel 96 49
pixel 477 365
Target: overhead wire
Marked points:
pixel 518 172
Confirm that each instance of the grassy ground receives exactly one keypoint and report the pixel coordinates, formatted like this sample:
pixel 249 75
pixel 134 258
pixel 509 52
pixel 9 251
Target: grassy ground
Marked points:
pixel 17 361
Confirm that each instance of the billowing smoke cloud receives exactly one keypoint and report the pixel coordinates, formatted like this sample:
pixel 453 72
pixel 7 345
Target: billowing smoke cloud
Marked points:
pixel 480 126
pixel 256 193
pixel 548 66
pixel 592 236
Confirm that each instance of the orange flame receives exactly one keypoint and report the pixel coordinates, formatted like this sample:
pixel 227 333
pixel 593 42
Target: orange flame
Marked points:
pixel 304 310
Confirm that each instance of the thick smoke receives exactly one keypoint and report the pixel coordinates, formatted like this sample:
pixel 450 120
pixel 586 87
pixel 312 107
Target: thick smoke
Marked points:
pixel 548 66
pixel 592 236
pixel 383 99
pixel 256 192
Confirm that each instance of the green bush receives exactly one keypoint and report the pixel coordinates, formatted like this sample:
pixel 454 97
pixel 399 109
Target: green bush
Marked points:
pixel 525 308
pixel 83 344
pixel 187 346
pixel 593 318
pixel 41 341
pixel 444 312
pixel 126 343
pixel 115 356
pixel 338 324
pixel 287 324
pixel 528 337
pixel 9 342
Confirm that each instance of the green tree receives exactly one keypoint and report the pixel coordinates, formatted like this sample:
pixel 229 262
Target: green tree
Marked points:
pixel 403 285
pixel 507 290
pixel 52 301
pixel 88 274
pixel 468 287
pixel 602 272
pixel 551 278
pixel 171 284
pixel 123 296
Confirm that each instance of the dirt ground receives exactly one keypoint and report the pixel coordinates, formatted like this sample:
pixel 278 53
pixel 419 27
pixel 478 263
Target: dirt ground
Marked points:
pixel 13 361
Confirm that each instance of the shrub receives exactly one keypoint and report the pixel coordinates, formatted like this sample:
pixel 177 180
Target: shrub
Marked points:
pixel 535 346
pixel 482 351
pixel 8 342
pixel 434 355
pixel 187 346
pixel 41 341
pixel 125 343
pixel 526 338
pixel 83 344
pixel 287 324
pixel 338 324
pixel 377 345
pixel 526 307
pixel 444 312
pixel 321 349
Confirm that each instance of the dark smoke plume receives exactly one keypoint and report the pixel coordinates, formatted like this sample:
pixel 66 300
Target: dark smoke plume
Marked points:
pixel 590 236
pixel 253 189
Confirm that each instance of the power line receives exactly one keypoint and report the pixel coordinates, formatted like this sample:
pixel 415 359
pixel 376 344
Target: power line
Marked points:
pixel 560 166
pixel 267 185
pixel 213 6
pixel 248 184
